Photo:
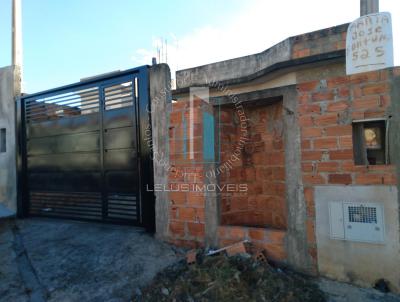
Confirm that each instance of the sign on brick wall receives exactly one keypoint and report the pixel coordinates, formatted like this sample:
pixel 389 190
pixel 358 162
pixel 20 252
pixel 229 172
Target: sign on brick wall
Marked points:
pixel 369 43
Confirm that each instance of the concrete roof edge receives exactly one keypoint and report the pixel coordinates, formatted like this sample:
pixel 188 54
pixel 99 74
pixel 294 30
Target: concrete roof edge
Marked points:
pixel 335 55
pixel 280 52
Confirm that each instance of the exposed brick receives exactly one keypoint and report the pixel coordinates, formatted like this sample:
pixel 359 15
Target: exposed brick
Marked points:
pixel 177 228
pixel 311 155
pixel 366 103
pixel 311 132
pixel 349 166
pixel 187 214
pixel 173 212
pixel 322 96
pixel 275 236
pixel 309 108
pixel 344 179
pixel 346 142
pixel 314 179
pixel 306 120
pixel 337 106
pixel 344 92
pixel 376 88
pixel 341 45
pixel 341 154
pixel 256 234
pixel 177 197
pixel 223 232
pixel 307 167
pixel 308 86
pixel 390 179
pixel 196 229
pixel 358 115
pixel 275 252
pixel 250 174
pixel 325 143
pixel 191 244
pixel 327 166
pixel 339 130
pixel 195 199
pixel 384 75
pixel 310 231
pixel 382 168
pixel 175 117
pixel 238 233
pixel 364 77
pixel 305 144
pixel 238 203
pixel 226 242
pixel 385 101
pixel 374 114
pixel 334 82
pixel 303 98
pixel 309 198
pixel 326 119
pixel 369 179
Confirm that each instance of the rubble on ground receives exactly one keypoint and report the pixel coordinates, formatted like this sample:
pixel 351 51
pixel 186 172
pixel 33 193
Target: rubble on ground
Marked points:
pixel 219 277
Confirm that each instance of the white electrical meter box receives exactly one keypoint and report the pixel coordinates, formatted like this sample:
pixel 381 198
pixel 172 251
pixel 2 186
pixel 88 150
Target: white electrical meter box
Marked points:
pixel 356 221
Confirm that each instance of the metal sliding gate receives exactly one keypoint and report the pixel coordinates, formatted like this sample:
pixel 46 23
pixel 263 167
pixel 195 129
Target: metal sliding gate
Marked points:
pixel 84 151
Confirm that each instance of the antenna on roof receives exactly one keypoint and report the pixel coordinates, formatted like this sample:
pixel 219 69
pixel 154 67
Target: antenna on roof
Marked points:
pixel 166 51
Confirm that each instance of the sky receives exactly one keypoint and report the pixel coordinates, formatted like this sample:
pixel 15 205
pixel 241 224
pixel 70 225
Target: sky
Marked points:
pixel 66 40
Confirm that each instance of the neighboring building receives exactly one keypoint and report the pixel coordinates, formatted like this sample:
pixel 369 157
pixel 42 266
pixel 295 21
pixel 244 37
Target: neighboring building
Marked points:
pixel 317 150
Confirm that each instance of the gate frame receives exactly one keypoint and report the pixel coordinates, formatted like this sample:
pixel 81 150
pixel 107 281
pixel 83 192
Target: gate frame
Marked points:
pixel 143 120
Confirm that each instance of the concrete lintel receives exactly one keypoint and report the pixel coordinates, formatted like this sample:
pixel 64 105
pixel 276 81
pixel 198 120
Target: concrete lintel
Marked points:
pixel 253 96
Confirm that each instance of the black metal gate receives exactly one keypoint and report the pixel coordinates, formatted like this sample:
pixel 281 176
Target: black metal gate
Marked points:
pixel 84 152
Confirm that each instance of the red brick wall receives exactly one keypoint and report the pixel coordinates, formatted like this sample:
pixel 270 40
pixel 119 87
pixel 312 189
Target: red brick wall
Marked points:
pixel 326 110
pixel 271 240
pixel 318 42
pixel 186 207
pixel 261 167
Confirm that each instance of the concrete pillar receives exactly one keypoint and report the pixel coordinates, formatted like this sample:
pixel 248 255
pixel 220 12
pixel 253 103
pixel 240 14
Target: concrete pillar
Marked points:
pixel 296 240
pixel 9 88
pixel 369 7
pixel 160 99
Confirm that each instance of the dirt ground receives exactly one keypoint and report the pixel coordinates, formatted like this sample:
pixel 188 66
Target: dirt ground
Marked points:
pixel 224 279
pixel 65 261
pixel 75 261
pixel 219 278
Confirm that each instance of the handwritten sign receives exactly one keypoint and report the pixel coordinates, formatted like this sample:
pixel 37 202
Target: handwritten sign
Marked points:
pixel 369 43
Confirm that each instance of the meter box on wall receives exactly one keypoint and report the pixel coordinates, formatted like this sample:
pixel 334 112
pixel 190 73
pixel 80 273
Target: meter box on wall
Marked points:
pixel 356 221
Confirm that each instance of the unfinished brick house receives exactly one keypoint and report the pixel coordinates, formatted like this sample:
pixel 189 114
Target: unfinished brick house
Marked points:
pixel 313 179
pixel 281 148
